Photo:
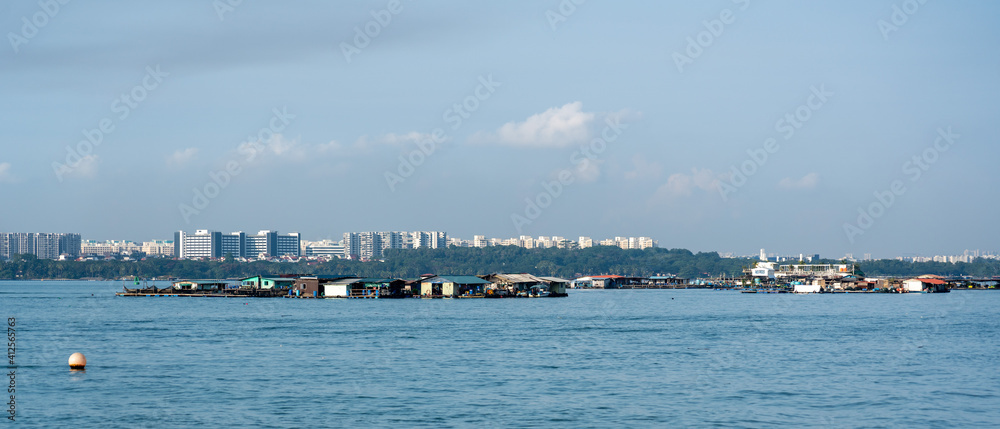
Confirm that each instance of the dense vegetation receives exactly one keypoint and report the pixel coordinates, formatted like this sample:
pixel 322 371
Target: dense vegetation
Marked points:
pixel 892 267
pixel 411 263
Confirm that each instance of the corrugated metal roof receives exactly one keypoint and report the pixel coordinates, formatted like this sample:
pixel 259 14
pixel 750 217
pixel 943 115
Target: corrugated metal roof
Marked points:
pixel 465 280
pixel 519 278
pixel 377 280
pixel 346 281
pixel 555 279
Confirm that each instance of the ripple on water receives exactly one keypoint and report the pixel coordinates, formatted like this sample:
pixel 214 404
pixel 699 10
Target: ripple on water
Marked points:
pixel 595 359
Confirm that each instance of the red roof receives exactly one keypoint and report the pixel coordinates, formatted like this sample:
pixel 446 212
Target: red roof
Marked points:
pixel 606 277
pixel 932 281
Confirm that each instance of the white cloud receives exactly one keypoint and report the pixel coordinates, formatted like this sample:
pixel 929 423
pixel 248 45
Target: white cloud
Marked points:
pixel 276 147
pixel 86 168
pixel 365 144
pixel 411 137
pixel 181 157
pixel 332 146
pixel 555 127
pixel 588 172
pixel 809 181
pixel 281 146
pixel 684 185
pixel 393 139
pixel 644 169
pixel 5 176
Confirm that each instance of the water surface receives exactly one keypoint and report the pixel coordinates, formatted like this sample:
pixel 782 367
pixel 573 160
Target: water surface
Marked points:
pixel 595 359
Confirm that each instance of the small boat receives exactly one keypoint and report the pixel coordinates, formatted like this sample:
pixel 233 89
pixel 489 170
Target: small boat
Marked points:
pixel 539 292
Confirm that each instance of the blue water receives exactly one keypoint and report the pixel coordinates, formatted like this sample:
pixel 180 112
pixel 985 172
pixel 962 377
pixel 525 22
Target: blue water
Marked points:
pixel 596 359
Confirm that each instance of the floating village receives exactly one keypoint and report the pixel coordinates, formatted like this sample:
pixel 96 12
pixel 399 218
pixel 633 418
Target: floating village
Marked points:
pixel 769 277
pixel 763 277
pixel 311 286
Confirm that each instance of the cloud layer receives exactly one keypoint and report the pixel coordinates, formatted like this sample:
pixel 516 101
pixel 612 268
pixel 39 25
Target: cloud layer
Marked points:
pixel 182 157
pixel 809 181
pixel 5 175
pixel 555 127
pixel 682 185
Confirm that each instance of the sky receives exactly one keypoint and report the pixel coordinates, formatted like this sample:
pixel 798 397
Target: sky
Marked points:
pixel 825 127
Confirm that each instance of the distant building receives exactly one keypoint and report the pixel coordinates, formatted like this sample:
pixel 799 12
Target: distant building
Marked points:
pixel 42 245
pixel 108 247
pixel 69 245
pixel 598 282
pixel 627 242
pixel 458 242
pixel 325 248
pixel 158 247
pixel 430 239
pixel 371 245
pixel 926 283
pixel 763 269
pixel 214 244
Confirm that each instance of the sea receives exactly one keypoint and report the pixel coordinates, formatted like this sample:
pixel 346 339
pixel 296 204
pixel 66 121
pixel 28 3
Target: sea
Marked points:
pixel 598 358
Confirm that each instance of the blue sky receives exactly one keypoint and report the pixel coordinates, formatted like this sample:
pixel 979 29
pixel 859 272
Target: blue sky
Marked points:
pixel 647 131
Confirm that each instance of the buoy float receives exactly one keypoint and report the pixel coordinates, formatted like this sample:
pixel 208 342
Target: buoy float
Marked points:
pixel 77 361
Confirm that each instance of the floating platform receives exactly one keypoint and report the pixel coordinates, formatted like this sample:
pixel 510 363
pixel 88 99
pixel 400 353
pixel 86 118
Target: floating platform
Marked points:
pixel 226 293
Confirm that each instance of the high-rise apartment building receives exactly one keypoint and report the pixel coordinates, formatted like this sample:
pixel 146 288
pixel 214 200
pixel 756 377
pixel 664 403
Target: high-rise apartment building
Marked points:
pixel 371 245
pixel 214 244
pixel 43 245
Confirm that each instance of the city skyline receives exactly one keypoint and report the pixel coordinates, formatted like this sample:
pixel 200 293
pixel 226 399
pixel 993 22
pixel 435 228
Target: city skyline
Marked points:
pixel 861 128
pixel 408 240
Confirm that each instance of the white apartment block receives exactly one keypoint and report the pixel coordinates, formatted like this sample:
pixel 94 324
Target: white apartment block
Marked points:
pixel 158 247
pixel 328 248
pixel 108 247
pixel 214 244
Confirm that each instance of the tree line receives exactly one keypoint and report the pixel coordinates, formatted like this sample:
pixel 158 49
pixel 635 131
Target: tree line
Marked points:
pixel 411 263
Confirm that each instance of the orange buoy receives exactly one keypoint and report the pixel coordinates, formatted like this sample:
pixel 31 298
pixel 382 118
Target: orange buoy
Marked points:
pixel 77 361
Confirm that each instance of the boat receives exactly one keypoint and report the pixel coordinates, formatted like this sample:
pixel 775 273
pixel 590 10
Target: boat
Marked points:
pixel 539 291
